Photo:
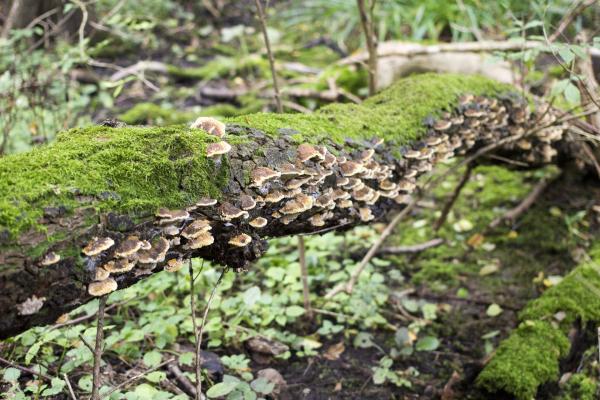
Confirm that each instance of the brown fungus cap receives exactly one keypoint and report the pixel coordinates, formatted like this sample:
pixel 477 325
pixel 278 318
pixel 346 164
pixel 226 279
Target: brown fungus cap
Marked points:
pixel 217 149
pixel 119 266
pixel 260 175
pixel 49 259
pixel 101 274
pixel 157 252
pixel 194 229
pixel 228 211
pixel 307 152
pixel 442 125
pixel 97 246
pixel 365 214
pixel 202 240
pixel 128 247
pixel 247 202
pixel 209 125
pixel 167 216
pixel 351 168
pixel 258 222
pixel 101 288
pixel 296 183
pixel 298 204
pixel 274 196
pixel 206 202
pixel 173 265
pixel 241 240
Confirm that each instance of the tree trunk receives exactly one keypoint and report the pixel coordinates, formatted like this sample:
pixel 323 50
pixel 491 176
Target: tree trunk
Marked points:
pixel 131 201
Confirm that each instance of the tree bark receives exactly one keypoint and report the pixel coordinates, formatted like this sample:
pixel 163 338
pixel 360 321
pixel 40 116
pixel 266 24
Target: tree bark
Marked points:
pixel 105 186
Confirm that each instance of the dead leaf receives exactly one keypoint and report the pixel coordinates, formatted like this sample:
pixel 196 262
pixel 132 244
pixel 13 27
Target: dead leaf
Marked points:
pixel 476 240
pixel 334 351
pixel 338 387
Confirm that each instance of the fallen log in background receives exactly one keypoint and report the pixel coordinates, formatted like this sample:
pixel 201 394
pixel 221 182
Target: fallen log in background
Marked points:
pixel 105 206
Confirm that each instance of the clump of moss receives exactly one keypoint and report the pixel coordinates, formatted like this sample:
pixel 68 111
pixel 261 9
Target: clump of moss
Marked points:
pixel 580 387
pixel 531 355
pixel 220 67
pixel 528 358
pixel 120 169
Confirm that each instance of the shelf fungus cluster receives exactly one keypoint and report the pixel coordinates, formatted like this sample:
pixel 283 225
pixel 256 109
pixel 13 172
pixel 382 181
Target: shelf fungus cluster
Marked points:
pixel 311 188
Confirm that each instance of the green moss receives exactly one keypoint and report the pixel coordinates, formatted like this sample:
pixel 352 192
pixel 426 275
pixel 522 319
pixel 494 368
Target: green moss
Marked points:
pixel 396 114
pixel 139 169
pixel 528 358
pixel 132 169
pixel 580 387
pixel 221 67
pixel 531 354
pixel 578 296
pixel 347 77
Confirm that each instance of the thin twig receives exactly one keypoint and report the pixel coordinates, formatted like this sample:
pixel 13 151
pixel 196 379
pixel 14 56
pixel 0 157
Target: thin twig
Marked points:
pixel 304 275
pixel 181 378
pixel 415 248
pixel 138 376
pixel 367 24
pixel 25 369
pixel 197 363
pixel 516 212
pixel 98 349
pixel 201 333
pixel 68 382
pixel 566 20
pixel 263 27
pixel 450 203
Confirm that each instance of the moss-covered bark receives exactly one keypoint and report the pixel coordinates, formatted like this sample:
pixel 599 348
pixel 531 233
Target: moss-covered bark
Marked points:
pixel 532 353
pixel 108 183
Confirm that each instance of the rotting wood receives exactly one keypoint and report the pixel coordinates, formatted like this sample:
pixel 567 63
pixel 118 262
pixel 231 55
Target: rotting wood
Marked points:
pixel 310 188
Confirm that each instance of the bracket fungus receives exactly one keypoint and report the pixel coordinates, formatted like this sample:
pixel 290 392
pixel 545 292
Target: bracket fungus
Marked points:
pixel 97 246
pixel 202 240
pixel 101 288
pixel 128 247
pixel 49 259
pixel 241 240
pixel 260 175
pixel 306 152
pixel 209 125
pixel 258 222
pixel 217 149
pixel 229 212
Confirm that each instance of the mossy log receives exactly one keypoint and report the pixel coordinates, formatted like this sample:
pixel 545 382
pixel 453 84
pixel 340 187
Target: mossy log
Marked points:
pixel 532 353
pixel 114 204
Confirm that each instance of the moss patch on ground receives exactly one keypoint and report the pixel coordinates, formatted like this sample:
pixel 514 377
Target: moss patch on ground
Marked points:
pixel 531 355
pixel 528 358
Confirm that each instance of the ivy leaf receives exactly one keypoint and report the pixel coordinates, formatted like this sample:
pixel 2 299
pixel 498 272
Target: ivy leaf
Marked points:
pixel 221 389
pixel 251 296
pixel 427 343
pixel 294 311
pixel 572 94
pixel 494 310
pixel 11 374
pixel 152 359
pixel 262 385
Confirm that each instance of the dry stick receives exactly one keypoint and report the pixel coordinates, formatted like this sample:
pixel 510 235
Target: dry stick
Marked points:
pixel 138 376
pixel 71 392
pixel 98 349
pixel 450 203
pixel 415 248
pixel 181 378
pixel 25 369
pixel 304 275
pixel 197 362
pixel 527 202
pixel 367 26
pixel 199 341
pixel 566 20
pixel 263 27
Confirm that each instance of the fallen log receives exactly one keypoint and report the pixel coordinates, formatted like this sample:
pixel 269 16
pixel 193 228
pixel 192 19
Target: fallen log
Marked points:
pixel 104 206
